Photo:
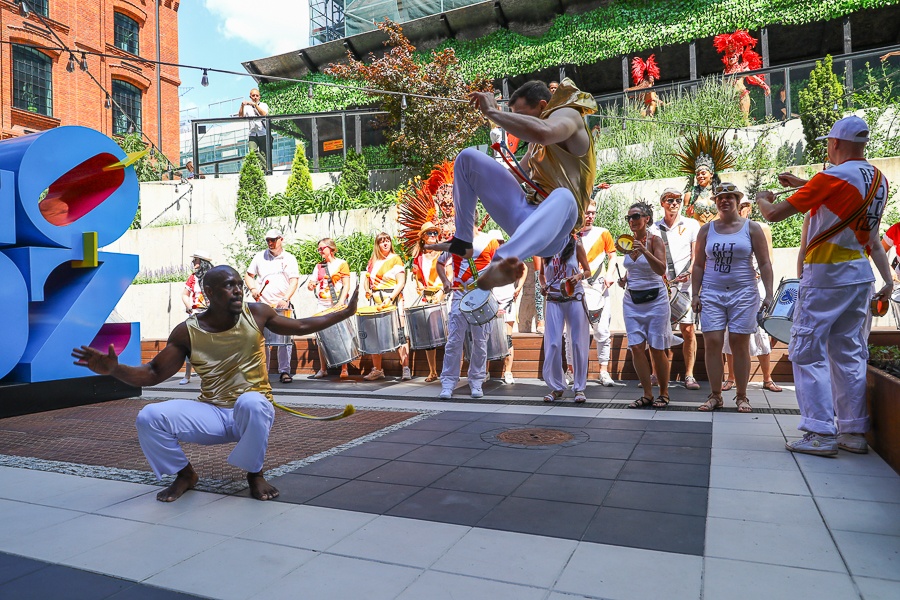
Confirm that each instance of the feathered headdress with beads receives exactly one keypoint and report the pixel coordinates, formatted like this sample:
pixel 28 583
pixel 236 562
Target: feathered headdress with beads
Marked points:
pixel 640 69
pixel 418 205
pixel 704 149
pixel 739 42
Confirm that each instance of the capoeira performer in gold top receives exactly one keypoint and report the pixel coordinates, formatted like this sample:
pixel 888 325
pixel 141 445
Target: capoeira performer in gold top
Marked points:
pixel 828 337
pixel 559 170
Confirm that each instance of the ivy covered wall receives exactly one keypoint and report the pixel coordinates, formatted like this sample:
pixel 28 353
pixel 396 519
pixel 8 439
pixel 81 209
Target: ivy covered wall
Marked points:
pixel 622 27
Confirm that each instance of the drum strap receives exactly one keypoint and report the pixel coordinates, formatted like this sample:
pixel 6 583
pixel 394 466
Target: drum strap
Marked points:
pixel 334 297
pixel 820 239
pixel 671 265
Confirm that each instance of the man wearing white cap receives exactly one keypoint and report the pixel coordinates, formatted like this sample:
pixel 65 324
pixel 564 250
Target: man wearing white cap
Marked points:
pixel 679 234
pixel 828 338
pixel 272 278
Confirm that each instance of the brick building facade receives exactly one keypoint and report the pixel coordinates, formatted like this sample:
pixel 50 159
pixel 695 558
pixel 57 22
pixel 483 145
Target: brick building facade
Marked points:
pixel 38 92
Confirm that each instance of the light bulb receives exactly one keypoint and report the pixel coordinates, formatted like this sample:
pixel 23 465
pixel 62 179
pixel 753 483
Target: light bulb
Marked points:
pixel 70 66
pixel 204 81
pixel 403 102
pixel 84 63
pixel 310 93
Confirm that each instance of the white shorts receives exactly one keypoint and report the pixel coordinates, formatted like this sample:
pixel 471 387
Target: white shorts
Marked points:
pixel 759 343
pixel 733 308
pixel 504 296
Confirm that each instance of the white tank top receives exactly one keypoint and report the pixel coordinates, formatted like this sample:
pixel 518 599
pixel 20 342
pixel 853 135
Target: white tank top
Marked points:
pixel 640 275
pixel 728 258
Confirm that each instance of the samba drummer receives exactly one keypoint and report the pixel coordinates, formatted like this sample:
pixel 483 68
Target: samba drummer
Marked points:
pixel 272 278
pixel 559 168
pixel 385 278
pixel 429 285
pixel 599 248
pixel 457 325
pixel 561 281
pixel 828 348
pixel 331 286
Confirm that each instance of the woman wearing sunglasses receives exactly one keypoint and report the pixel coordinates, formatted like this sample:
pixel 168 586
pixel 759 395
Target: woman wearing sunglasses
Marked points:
pixel 331 285
pixel 646 306
pixel 428 283
pixel 725 292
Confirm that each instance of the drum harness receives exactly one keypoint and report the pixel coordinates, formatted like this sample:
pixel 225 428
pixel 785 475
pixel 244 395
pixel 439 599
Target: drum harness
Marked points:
pixel 670 264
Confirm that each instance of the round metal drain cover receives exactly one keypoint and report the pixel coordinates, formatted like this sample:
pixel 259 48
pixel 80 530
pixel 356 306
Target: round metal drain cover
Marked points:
pixel 536 437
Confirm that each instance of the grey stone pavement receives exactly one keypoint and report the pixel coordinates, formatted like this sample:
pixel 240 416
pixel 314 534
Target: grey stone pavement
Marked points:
pixel 500 497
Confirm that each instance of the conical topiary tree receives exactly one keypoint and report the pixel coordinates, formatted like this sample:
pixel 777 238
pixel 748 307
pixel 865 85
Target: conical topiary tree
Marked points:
pixel 820 106
pixel 355 174
pixel 252 192
pixel 300 180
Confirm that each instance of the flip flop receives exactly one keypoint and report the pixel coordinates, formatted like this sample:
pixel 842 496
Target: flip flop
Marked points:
pixel 285 378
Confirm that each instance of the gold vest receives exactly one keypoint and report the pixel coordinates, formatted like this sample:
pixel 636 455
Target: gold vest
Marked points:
pixel 231 362
pixel 552 167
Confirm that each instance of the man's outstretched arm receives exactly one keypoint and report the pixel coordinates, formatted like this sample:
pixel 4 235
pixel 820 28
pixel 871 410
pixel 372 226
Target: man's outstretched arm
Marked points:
pixel 164 365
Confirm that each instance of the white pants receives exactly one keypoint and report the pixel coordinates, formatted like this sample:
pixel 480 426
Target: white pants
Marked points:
pixel 828 351
pixel 558 315
pixel 161 426
pixel 601 336
pixel 535 229
pixel 457 326
pixel 284 357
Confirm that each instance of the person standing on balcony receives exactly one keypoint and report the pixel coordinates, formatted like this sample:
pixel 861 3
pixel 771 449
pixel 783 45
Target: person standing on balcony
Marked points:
pixel 256 108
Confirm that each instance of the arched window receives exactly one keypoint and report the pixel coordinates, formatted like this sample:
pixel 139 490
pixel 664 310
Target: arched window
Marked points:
pixel 32 80
pixel 126 33
pixel 126 108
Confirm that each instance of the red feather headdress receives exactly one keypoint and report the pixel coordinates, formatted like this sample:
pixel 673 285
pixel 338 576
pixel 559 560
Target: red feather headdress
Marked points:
pixel 641 69
pixel 739 42
pixel 419 205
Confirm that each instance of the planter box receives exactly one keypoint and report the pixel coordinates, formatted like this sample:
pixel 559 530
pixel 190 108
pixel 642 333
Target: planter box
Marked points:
pixel 883 398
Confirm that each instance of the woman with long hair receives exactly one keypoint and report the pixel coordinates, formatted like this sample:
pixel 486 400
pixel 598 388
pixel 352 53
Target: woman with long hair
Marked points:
pixel 192 296
pixel 646 306
pixel 385 278
pixel 725 293
pixel 331 283
pixel 428 283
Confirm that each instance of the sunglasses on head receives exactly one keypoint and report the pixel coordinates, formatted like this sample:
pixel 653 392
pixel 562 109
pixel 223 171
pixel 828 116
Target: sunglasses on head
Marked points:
pixel 634 217
pixel 725 188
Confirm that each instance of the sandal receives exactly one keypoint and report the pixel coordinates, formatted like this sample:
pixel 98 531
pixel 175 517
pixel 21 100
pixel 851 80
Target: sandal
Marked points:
pixel 743 404
pixel 661 402
pixel 771 386
pixel 580 398
pixel 727 385
pixel 712 403
pixel 286 378
pixel 553 396
pixel 430 378
pixel 641 402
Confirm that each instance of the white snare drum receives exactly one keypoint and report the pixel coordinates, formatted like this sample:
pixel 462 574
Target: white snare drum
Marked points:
pixel 497 342
pixel 426 325
pixel 778 318
pixel 339 342
pixel 895 308
pixel 378 329
pixel 478 306
pixel 594 301
pixel 277 339
pixel 679 305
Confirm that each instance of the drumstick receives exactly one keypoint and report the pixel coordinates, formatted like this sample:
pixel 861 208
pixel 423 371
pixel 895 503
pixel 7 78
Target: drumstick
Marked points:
pixel 787 191
pixel 265 283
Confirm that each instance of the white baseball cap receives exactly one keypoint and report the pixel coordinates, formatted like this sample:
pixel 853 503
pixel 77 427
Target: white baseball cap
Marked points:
pixel 201 254
pixel 273 234
pixel 670 191
pixel 850 129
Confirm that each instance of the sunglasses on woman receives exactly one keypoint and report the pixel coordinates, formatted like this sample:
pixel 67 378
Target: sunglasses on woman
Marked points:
pixel 634 217
pixel 431 234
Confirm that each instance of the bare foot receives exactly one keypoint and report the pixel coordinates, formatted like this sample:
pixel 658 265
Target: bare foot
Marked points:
pixel 501 271
pixel 185 480
pixel 260 488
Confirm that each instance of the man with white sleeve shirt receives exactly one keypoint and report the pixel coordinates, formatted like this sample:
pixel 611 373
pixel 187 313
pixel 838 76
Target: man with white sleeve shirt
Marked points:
pixel 272 278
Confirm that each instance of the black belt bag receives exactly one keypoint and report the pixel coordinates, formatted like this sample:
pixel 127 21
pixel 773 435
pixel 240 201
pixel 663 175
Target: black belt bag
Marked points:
pixel 561 299
pixel 644 296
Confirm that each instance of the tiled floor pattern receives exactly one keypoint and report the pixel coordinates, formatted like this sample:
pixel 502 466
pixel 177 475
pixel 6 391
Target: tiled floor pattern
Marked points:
pixel 104 435
pixel 778 526
pixel 630 482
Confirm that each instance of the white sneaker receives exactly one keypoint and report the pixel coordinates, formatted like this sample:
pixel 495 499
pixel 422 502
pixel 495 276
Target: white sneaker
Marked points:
pixel 446 393
pixel 374 374
pixel 570 378
pixel 853 442
pixel 814 443
pixel 407 375
pixel 476 390
pixel 184 381
pixel 509 379
pixel 606 380
pixel 320 374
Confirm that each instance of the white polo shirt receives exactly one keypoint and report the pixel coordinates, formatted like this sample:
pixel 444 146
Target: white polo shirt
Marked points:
pixel 680 236
pixel 279 270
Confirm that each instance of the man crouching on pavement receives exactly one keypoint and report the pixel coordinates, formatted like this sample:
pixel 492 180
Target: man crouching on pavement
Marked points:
pixel 225 345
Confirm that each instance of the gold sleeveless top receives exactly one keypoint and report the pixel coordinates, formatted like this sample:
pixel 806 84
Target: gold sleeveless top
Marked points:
pixel 553 167
pixel 231 362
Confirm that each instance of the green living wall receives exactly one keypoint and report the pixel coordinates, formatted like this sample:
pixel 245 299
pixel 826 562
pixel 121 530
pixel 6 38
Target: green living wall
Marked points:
pixel 622 27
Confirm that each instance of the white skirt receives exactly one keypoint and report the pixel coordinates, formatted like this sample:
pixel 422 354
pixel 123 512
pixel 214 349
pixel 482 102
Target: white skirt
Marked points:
pixel 649 322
